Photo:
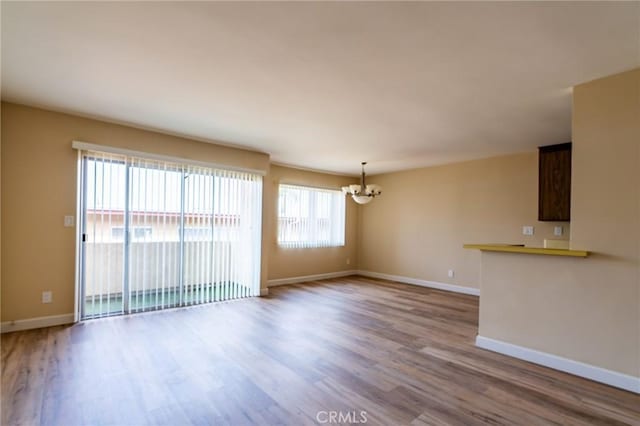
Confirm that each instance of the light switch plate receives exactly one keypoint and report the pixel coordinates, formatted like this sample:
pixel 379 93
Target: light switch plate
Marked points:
pixel 527 230
pixel 69 221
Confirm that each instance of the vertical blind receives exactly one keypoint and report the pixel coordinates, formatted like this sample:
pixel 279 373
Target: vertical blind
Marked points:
pixel 158 234
pixel 310 217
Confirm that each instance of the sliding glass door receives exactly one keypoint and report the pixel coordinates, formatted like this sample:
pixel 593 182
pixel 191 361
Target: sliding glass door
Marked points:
pixel 104 183
pixel 152 245
pixel 158 235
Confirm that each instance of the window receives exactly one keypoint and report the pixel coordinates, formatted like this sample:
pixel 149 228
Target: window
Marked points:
pixel 310 217
pixel 138 233
pixel 197 233
pixel 206 233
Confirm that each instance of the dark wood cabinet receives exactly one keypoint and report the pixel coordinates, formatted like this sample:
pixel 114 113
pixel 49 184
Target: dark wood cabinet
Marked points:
pixel 554 183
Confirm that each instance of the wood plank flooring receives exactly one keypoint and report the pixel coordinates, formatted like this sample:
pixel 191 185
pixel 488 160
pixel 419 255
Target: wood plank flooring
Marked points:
pixel 347 350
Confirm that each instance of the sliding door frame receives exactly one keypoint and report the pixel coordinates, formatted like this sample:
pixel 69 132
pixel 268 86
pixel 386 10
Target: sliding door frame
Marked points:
pixel 181 267
pixel 79 269
pixel 126 294
pixel 82 219
pixel 216 293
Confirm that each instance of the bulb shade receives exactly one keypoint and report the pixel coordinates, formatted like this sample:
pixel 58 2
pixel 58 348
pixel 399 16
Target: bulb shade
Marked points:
pixel 374 189
pixel 354 189
pixel 345 190
pixel 362 199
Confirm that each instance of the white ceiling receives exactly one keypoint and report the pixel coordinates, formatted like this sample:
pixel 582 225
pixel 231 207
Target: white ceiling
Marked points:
pixel 323 85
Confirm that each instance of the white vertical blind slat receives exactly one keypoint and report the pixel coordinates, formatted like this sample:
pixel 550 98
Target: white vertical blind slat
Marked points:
pixel 102 178
pixel 225 224
pixel 110 212
pixel 235 204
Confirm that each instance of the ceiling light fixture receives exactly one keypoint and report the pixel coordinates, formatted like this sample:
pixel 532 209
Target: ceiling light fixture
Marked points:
pixel 363 193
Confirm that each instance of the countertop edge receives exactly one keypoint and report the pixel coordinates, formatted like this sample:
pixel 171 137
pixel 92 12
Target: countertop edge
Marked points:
pixel 506 248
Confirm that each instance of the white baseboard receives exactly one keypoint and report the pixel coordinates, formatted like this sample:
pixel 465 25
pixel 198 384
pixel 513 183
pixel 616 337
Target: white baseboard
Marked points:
pixel 422 283
pixel 305 278
pixel 577 368
pixel 37 322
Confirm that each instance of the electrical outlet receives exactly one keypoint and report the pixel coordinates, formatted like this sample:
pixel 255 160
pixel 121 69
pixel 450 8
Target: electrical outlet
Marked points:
pixel 69 221
pixel 348 261
pixel 451 273
pixel 557 231
pixel 47 296
pixel 527 230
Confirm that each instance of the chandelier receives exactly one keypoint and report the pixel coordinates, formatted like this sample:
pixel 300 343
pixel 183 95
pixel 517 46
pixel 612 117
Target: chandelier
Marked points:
pixel 363 193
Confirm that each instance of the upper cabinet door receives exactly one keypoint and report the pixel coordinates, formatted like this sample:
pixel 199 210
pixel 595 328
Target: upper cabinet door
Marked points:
pixel 554 183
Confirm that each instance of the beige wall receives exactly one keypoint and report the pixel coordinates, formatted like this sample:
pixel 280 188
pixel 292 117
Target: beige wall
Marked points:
pixel 1 107
pixel 291 262
pixel 39 188
pixel 417 227
pixel 583 309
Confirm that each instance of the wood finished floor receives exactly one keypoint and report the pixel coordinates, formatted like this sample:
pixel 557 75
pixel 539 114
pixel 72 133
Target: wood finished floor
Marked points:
pixel 403 354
